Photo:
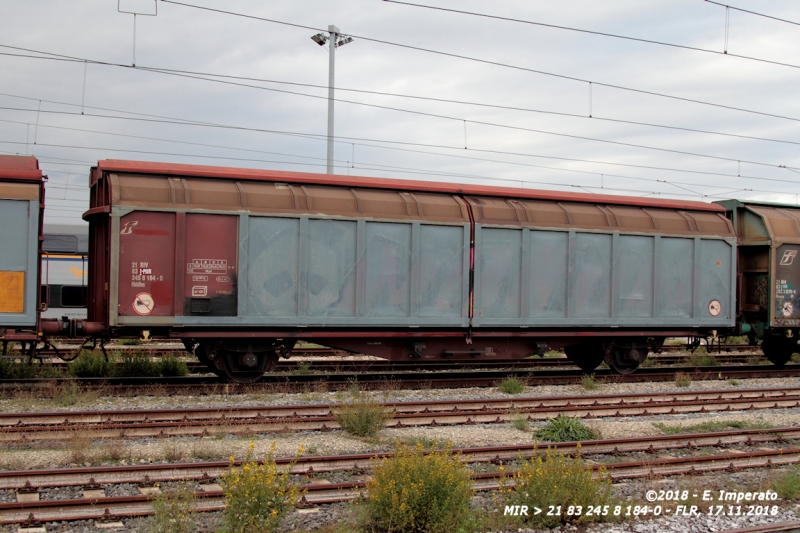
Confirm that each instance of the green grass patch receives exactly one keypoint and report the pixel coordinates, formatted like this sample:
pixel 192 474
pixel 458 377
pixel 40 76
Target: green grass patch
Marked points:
pixel 303 368
pixel 519 422
pixel 588 382
pixel 137 364
pixel 91 364
pixel 171 366
pixel 413 442
pixel 129 342
pixel 564 429
pixel 512 385
pixel 788 485
pixel 709 427
pixel 361 416
pixel 682 379
pixel 699 359
pixel 22 369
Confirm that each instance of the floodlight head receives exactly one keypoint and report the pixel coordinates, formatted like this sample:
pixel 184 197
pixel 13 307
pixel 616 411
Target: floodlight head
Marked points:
pixel 344 41
pixel 320 39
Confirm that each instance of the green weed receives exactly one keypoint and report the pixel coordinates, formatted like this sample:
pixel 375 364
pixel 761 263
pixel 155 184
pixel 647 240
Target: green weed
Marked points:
pixel 564 429
pixel 414 492
pixel 303 368
pixel 709 427
pixel 137 364
pixel 682 379
pixel 512 385
pixel 588 382
pixel 699 359
pixel 170 366
pixel 174 511
pixel 558 480
pixel 257 497
pixel 788 485
pixel 361 416
pixel 90 364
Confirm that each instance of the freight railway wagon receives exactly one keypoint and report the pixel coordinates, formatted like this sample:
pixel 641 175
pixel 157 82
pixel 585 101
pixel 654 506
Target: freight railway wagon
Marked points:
pixel 768 303
pixel 241 264
pixel 21 209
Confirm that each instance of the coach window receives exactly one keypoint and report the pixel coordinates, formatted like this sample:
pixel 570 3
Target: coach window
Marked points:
pixel 60 243
pixel 72 296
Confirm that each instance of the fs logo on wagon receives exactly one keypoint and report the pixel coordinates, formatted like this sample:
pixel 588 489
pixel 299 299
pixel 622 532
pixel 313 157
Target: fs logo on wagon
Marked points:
pixel 127 229
pixel 788 257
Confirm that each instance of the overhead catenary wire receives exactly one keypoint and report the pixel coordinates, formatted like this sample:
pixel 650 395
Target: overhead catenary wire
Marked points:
pixel 494 63
pixel 395 168
pixel 207 145
pixel 349 140
pixel 364 141
pixel 417 97
pixel 435 115
pixel 420 151
pixel 754 13
pixel 594 32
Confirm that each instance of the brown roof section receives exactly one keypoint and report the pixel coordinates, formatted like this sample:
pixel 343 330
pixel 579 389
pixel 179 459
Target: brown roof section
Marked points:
pixel 175 169
pixel 20 167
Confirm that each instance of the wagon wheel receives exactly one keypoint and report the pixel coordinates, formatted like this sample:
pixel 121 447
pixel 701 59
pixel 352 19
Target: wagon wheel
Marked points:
pixel 587 355
pixel 778 349
pixel 246 367
pixel 625 359
pixel 201 352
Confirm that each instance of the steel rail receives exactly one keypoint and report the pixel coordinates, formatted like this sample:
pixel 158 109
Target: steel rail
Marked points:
pixel 334 364
pixel 209 470
pixel 767 528
pixel 413 380
pixel 318 493
pixel 164 423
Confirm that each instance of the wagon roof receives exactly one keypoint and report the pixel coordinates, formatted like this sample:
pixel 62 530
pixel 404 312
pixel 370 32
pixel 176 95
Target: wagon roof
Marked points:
pixel 20 167
pixel 202 171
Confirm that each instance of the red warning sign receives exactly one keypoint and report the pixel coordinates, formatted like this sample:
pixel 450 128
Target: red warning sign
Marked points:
pixel 143 304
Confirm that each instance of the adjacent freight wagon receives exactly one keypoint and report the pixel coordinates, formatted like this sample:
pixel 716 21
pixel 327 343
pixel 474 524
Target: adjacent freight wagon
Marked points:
pixel 769 275
pixel 241 264
pixel 21 210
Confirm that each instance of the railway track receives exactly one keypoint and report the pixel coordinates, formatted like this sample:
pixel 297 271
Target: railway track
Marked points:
pixel 95 505
pixel 316 363
pixel 779 527
pixel 317 359
pixel 185 422
pixel 302 382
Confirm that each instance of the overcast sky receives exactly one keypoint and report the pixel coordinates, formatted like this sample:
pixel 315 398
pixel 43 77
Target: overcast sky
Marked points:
pixel 549 141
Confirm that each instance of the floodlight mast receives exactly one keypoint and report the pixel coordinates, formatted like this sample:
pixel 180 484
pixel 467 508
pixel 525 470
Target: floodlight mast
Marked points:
pixel 335 39
pixel 334 34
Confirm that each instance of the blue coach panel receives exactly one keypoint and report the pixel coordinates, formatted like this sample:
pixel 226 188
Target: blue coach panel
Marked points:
pixel 332 268
pixel 272 277
pixel 347 272
pixel 583 265
pixel 20 222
